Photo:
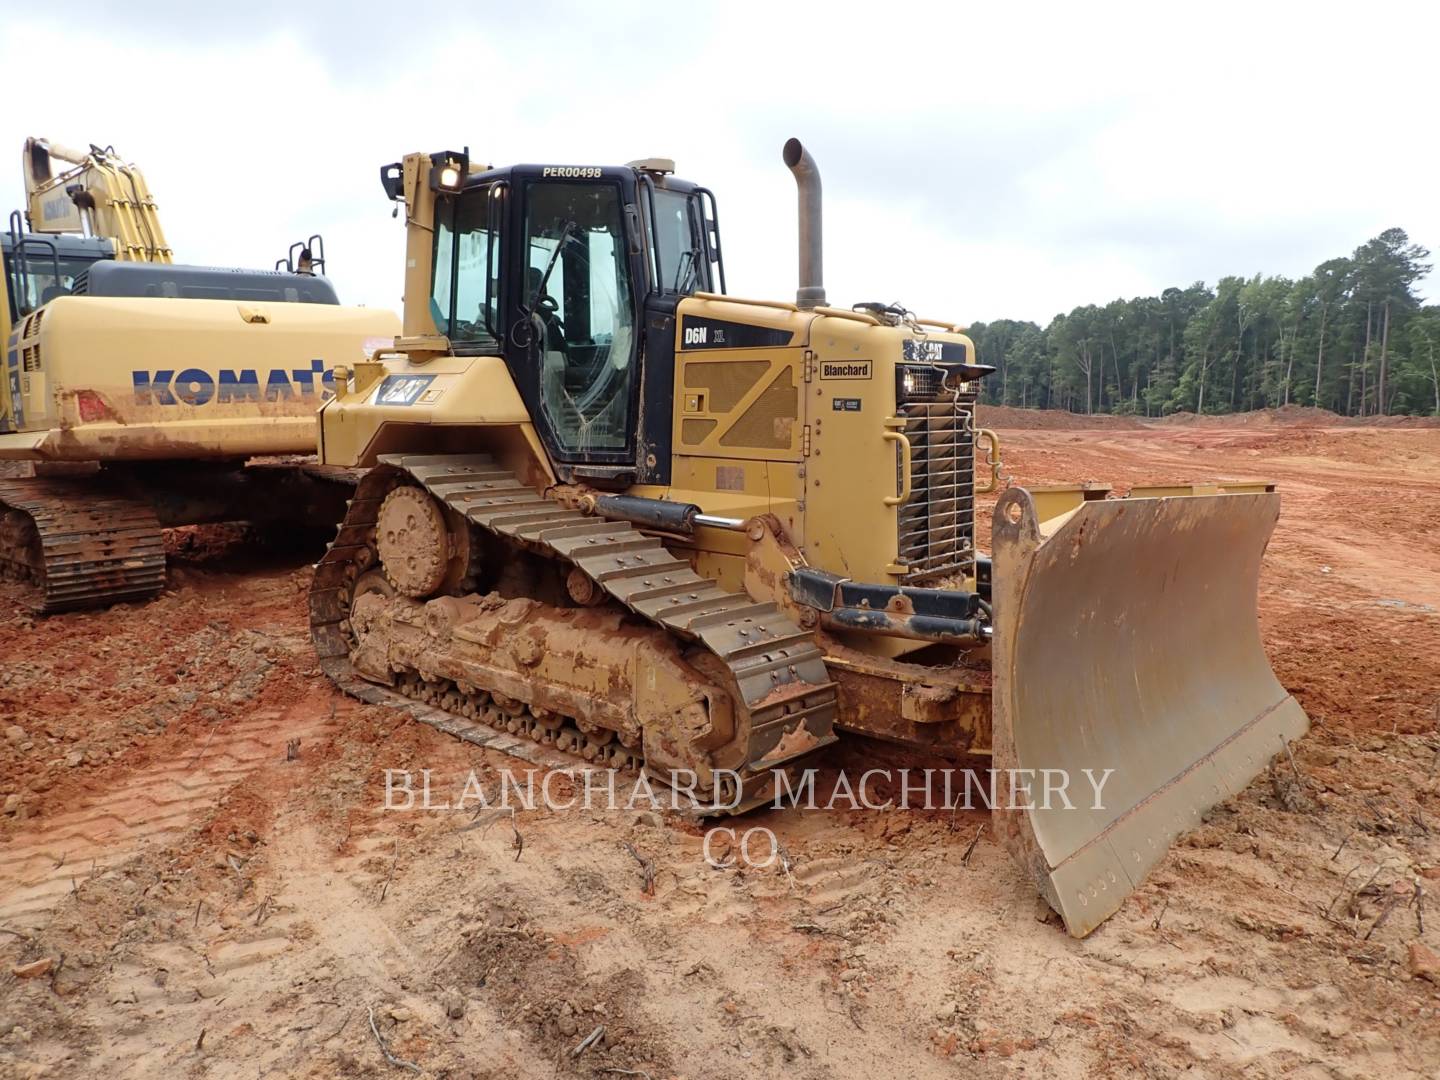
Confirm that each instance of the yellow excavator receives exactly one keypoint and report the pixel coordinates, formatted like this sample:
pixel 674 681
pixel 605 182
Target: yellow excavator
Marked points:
pixel 139 389
pixel 612 512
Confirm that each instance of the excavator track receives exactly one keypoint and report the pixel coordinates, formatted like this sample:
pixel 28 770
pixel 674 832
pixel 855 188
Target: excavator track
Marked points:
pixel 81 544
pixel 777 673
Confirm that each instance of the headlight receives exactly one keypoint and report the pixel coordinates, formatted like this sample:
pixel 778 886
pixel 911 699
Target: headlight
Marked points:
pixel 448 169
pixel 914 382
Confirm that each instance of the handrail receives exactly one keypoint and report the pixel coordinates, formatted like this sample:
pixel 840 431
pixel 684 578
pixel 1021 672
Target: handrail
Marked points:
pixel 992 459
pixel 899 438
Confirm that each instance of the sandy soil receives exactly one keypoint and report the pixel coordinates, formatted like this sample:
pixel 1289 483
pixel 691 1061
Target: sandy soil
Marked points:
pixel 194 842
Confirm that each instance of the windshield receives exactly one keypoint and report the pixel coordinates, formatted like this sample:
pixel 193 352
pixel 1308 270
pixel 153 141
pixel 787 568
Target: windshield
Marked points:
pixel 40 284
pixel 681 265
pixel 465 295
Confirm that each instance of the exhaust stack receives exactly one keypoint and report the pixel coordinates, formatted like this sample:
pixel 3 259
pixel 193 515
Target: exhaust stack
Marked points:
pixel 807 180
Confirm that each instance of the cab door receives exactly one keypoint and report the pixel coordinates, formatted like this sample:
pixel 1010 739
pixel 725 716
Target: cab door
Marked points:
pixel 573 340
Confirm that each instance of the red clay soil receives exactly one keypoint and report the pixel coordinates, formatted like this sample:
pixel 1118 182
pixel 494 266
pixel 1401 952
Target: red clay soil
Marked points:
pixel 1012 419
pixel 273 918
pixel 1003 416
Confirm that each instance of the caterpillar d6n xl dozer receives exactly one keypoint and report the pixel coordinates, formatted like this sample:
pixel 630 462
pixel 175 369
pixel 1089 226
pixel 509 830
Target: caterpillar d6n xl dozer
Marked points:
pixel 138 390
pixel 611 511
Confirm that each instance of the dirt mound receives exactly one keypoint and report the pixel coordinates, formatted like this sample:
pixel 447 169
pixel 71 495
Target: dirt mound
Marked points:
pixel 1295 416
pixel 1286 416
pixel 1009 418
pixel 1394 421
pixel 95 695
pixel 1289 416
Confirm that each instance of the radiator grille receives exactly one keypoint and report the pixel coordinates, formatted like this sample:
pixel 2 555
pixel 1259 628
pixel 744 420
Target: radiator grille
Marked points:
pixel 937 525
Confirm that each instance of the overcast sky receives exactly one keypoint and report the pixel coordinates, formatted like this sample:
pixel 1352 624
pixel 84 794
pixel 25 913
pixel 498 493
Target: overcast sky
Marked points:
pixel 979 160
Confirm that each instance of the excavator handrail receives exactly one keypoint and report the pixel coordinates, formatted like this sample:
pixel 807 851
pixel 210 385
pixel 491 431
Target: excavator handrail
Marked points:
pixel 18 272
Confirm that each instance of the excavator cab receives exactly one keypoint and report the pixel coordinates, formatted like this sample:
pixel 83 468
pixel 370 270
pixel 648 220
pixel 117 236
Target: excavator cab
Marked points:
pixel 37 269
pixel 40 268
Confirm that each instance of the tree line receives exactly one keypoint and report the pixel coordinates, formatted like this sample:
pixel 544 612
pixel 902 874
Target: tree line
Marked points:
pixel 1352 336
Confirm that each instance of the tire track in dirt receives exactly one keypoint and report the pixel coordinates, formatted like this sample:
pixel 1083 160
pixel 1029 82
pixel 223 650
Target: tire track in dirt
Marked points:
pixel 331 902
pixel 144 810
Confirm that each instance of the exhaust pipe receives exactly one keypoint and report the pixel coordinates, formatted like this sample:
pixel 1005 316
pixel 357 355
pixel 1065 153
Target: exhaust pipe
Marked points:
pixel 807 180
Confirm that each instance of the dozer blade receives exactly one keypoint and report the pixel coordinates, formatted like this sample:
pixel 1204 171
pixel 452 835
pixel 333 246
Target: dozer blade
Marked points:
pixel 1126 639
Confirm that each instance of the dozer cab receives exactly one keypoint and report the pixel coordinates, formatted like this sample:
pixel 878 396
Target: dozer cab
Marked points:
pixel 612 511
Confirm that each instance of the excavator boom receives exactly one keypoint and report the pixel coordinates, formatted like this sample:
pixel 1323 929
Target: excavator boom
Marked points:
pixel 93 193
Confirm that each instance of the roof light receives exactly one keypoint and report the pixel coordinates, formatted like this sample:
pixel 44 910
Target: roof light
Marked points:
pixel 448 170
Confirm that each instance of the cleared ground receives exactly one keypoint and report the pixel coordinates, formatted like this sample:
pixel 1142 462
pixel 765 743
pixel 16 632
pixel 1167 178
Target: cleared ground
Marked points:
pixel 194 840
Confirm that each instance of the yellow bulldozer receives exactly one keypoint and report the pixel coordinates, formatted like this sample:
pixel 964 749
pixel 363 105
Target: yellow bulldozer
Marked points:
pixel 612 511
pixel 138 389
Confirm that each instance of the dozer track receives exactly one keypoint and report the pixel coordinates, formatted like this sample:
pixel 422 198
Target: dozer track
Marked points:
pixel 81 544
pixel 781 690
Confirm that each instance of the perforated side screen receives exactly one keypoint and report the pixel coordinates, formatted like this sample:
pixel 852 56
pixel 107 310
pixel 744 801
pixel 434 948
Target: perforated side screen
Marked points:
pixel 769 422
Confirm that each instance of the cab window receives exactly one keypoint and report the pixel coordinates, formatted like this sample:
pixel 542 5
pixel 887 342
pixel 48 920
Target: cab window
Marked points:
pixel 680 263
pixel 464 295
pixel 577 299
pixel 40 283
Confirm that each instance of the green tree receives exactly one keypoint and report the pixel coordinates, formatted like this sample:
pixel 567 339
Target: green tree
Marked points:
pixel 1386 269
pixel 1425 351
pixel 1351 336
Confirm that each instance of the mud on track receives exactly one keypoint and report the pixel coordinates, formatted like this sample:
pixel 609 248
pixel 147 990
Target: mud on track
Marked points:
pixel 228 903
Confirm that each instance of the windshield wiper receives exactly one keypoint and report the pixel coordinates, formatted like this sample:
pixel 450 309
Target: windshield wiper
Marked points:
pixel 565 229
pixel 688 270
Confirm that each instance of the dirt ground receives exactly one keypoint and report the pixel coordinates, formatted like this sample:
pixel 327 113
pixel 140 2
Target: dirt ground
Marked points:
pixel 198 878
